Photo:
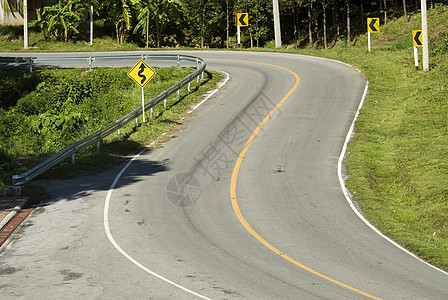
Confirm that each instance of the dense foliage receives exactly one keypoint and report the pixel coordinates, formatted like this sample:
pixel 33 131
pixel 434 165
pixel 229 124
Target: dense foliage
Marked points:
pixel 56 111
pixel 210 23
pixel 58 107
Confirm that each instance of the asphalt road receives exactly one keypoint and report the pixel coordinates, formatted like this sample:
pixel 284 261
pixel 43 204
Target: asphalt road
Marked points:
pixel 219 214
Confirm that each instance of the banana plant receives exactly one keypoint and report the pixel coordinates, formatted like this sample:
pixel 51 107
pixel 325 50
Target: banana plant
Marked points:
pixel 60 20
pixel 119 12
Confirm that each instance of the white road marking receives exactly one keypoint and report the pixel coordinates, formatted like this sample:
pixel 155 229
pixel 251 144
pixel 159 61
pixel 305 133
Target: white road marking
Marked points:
pixel 347 195
pixel 115 244
pixel 212 93
pixel 107 204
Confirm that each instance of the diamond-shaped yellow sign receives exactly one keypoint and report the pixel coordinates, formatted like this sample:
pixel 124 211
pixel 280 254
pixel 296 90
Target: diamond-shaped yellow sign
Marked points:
pixel 141 73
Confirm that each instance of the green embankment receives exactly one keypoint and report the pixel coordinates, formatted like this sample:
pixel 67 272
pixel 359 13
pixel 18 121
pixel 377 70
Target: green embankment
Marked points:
pixel 398 158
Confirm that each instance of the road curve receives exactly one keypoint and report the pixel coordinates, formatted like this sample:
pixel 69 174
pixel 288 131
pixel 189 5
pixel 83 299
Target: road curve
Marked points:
pixel 237 206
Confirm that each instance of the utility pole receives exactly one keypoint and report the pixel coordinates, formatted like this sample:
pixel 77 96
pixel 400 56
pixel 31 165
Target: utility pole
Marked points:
pixel 25 24
pixel 278 36
pixel 425 37
pixel 91 25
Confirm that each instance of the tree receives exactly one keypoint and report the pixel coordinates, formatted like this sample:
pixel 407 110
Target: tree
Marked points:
pixel 260 29
pixel 308 4
pixel 260 15
pixel 347 7
pixel 203 16
pixel 160 12
pixel 22 7
pixel 7 6
pixel 383 9
pixel 120 14
pixel 60 20
pixel 324 21
pixel 144 6
pixel 229 12
pixel 310 23
pixel 405 13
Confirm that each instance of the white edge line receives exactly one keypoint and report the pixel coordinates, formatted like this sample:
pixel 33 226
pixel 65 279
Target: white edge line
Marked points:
pixel 115 244
pixel 212 93
pixel 347 195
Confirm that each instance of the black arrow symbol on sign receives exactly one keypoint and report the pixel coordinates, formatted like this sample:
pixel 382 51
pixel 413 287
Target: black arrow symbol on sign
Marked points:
pixel 140 73
pixel 372 25
pixel 417 38
pixel 242 20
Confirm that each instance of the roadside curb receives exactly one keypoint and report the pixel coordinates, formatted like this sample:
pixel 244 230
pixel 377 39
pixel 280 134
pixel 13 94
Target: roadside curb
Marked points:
pixel 13 212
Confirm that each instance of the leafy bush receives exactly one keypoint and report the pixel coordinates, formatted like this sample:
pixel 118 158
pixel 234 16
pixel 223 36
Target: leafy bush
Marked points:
pixel 15 84
pixel 67 105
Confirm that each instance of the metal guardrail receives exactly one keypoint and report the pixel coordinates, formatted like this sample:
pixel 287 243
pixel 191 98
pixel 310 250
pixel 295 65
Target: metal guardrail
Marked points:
pixel 69 151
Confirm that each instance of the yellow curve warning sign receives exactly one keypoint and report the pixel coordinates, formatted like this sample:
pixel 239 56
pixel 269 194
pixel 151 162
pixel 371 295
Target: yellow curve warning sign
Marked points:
pixel 141 73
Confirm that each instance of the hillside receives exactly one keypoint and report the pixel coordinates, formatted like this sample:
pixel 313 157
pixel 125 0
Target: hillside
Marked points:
pixel 397 162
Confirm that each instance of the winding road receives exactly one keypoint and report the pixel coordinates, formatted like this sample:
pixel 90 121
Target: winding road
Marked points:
pixel 244 203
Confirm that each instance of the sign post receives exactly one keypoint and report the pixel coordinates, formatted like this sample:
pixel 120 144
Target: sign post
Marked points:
pixel 142 73
pixel 241 20
pixel 238 33
pixel 417 42
pixel 373 26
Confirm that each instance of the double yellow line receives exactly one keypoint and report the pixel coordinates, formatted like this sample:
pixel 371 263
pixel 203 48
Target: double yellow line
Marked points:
pixel 234 179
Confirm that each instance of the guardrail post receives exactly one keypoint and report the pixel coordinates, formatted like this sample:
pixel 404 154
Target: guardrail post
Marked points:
pixel 164 102
pixel 150 112
pixel 178 93
pixel 73 158
pixel 98 146
pixel 15 179
pixel 178 60
pixel 118 133
pixel 189 86
pixel 90 63
pixel 31 64
pixel 202 75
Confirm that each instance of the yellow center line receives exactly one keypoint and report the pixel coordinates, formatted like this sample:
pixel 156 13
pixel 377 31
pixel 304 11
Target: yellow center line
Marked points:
pixel 233 183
